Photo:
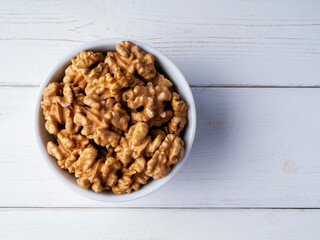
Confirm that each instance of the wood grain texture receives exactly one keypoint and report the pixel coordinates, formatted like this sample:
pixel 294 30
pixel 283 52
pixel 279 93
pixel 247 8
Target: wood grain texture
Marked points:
pixel 253 148
pixel 233 42
pixel 159 224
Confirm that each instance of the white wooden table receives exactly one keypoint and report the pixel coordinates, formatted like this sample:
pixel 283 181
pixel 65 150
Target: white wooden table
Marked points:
pixel 254 68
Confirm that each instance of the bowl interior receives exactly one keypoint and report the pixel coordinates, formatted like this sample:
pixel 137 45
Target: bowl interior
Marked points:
pixel 164 66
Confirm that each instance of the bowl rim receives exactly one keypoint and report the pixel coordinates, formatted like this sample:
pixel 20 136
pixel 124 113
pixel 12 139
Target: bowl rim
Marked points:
pixel 135 194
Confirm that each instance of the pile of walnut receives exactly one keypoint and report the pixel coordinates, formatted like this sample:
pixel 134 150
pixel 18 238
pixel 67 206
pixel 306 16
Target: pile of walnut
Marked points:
pixel 116 120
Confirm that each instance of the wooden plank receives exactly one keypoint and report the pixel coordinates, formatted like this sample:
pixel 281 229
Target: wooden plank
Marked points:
pixel 253 148
pixel 159 224
pixel 252 43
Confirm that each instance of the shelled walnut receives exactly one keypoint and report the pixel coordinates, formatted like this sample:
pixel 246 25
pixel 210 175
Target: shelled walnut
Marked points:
pixel 116 121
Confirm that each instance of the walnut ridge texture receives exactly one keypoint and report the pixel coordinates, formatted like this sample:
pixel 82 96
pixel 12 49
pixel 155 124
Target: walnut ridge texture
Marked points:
pixel 117 122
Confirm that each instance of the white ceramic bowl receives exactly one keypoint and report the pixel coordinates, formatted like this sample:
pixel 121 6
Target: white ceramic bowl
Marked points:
pixel 167 68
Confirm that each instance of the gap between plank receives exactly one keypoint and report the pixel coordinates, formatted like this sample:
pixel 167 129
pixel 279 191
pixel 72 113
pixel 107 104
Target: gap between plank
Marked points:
pixel 252 86
pixel 192 86
pixel 154 208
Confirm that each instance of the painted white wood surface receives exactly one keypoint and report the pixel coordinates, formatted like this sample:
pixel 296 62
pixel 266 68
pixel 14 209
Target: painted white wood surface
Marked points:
pixel 159 224
pixel 254 148
pixel 222 42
